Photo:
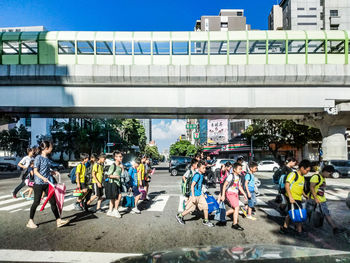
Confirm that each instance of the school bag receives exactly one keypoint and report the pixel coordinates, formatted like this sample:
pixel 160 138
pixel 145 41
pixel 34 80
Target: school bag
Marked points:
pixel 187 185
pixel 276 176
pixel 307 187
pixel 243 180
pixel 125 178
pixel 88 174
pixel 72 175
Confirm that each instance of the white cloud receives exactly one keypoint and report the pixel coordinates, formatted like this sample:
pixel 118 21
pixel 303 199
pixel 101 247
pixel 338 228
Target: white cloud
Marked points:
pixel 169 131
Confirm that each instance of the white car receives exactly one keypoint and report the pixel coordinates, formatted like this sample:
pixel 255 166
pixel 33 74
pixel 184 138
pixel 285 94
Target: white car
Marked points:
pixel 268 166
pixel 219 162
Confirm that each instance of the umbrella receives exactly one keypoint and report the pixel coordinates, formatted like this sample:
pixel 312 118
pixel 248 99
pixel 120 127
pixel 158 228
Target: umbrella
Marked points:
pixel 60 191
pixel 49 195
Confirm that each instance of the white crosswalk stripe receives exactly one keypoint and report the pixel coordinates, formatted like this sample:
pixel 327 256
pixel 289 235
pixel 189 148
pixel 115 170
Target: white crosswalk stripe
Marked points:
pixel 5 196
pixel 159 203
pixel 12 200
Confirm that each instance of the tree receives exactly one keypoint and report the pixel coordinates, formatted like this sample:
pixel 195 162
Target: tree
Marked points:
pixel 152 151
pixel 15 140
pixel 183 148
pixel 276 133
pixel 133 133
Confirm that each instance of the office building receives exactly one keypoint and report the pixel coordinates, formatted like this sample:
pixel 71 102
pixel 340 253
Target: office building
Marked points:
pixel 276 18
pixel 315 14
pixel 227 20
pixel 147 124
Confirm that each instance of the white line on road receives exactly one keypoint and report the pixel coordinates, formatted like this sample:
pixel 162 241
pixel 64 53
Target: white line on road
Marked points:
pixel 5 196
pixel 10 201
pixel 159 203
pixel 59 256
pixel 14 211
pixel 271 212
pixel 15 206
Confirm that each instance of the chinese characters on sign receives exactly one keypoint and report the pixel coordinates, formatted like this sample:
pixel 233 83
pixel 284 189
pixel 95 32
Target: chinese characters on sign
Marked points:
pixel 218 130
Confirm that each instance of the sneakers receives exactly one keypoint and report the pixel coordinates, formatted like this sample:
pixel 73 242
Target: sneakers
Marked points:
pixel 14 196
pixel 244 211
pixel 99 211
pixel 208 223
pixel 116 214
pixel 61 222
pixel 110 213
pixel 22 195
pixel 31 224
pixel 122 209
pixel 29 198
pixel 251 218
pixel 237 227
pixel 180 219
pixel 284 230
pixel 135 211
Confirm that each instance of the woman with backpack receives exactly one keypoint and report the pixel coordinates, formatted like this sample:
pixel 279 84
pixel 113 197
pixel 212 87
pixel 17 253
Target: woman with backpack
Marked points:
pixel 42 176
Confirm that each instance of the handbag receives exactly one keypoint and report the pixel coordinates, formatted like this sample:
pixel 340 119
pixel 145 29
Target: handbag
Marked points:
pixel 77 192
pixel 317 216
pixel 128 201
pixel 143 193
pixel 297 215
pixel 220 214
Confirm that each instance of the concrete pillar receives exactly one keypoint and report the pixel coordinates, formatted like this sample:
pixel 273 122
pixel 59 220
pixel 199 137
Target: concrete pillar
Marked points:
pixel 334 144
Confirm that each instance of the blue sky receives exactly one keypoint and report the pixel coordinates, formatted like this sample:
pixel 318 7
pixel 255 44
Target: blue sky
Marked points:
pixel 137 15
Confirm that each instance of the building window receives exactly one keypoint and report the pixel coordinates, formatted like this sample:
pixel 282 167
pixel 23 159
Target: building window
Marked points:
pixel 199 48
pixel 333 12
pixel 257 47
pixel 85 47
pixel 66 47
pixel 301 8
pixel 10 47
pixel 277 46
pixel 104 48
pixel 307 24
pixel 29 47
pixel 142 48
pixel 316 47
pixel 161 48
pixel 218 48
pixel 239 13
pixel 334 27
pixel 307 16
pixel 224 25
pixel 321 2
pixel 180 48
pixel 312 8
pixel 123 48
pixel 28 122
pixel 296 46
pixel 238 47
pixel 336 47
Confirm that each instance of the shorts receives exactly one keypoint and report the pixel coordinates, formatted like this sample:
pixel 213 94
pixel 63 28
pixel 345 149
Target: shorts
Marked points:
pixel 83 186
pixel 197 201
pixel 233 199
pixel 323 206
pixel 112 191
pixel 97 190
pixel 136 191
pixel 252 200
pixel 300 204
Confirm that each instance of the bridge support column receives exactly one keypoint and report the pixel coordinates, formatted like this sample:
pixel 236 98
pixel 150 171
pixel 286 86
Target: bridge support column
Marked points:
pixel 334 143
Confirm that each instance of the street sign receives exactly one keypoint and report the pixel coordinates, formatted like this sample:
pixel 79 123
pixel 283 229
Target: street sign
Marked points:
pixel 191 126
pixel 110 144
pixel 196 135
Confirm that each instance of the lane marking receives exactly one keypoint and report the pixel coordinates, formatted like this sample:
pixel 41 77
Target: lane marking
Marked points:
pixel 11 201
pixel 271 212
pixel 5 196
pixel 12 207
pixel 159 203
pixel 60 256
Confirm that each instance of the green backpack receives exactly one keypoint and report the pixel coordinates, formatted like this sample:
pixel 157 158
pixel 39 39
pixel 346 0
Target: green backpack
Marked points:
pixel 186 186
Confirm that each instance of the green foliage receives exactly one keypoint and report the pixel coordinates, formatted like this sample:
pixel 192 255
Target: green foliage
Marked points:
pixel 15 140
pixel 152 151
pixel 183 148
pixel 133 133
pixel 281 132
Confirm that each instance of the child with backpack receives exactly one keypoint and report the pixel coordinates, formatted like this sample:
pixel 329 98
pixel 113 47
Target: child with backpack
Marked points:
pixel 316 189
pixel 230 191
pixel 29 181
pixel 97 180
pixel 80 172
pixel 224 172
pixel 197 198
pixel 134 185
pixel 113 186
pixel 249 187
pixel 187 180
pixel 295 183
pixel 23 164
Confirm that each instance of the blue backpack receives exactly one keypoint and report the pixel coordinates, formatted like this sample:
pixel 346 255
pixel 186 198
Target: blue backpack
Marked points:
pixel 72 176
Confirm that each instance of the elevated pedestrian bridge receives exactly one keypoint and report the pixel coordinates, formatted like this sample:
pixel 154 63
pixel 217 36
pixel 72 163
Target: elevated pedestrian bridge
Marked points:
pixel 250 74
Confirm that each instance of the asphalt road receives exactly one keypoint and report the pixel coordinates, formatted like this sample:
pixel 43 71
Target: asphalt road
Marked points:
pixel 156 227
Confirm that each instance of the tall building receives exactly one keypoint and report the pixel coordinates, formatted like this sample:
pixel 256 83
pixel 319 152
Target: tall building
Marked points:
pixel 147 124
pixel 316 14
pixel 227 20
pixel 276 18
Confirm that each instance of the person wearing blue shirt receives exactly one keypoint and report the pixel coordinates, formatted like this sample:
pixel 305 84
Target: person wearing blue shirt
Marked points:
pixel 197 198
pixel 135 186
pixel 249 187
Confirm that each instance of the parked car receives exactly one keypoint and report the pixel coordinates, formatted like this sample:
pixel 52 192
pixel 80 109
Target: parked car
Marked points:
pixel 219 162
pixel 57 166
pixel 155 162
pixel 178 165
pixel 268 166
pixel 342 168
pixel 7 167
